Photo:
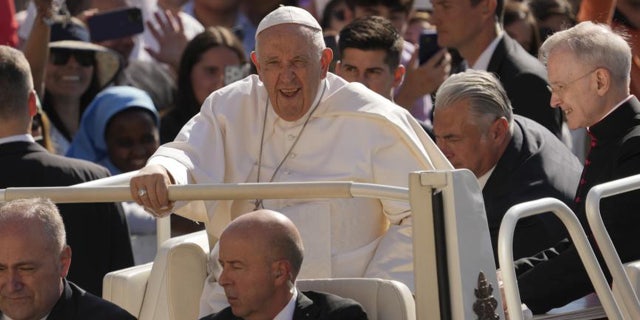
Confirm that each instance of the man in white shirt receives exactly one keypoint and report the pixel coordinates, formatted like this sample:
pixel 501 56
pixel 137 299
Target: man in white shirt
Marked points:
pixel 261 253
pixel 297 122
pixel 370 49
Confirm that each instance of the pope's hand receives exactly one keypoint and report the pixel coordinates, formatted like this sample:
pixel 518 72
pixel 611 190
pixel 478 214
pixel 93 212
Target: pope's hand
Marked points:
pixel 149 188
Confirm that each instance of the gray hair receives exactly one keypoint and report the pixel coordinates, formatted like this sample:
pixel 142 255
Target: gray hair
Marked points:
pixel 40 210
pixel 488 99
pixel 15 83
pixel 595 45
pixel 314 35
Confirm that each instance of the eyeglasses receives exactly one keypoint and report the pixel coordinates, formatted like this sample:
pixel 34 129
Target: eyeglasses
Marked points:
pixel 557 89
pixel 60 57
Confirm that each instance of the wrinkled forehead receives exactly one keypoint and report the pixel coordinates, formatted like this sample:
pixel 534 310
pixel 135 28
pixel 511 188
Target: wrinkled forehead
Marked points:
pixel 297 39
pixel 289 30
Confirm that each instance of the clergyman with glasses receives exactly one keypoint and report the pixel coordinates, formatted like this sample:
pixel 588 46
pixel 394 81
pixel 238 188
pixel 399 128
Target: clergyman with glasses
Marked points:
pixel 589 72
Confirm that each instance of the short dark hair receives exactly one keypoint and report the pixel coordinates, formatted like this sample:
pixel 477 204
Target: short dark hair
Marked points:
pixel 394 5
pixel 373 33
pixel 15 81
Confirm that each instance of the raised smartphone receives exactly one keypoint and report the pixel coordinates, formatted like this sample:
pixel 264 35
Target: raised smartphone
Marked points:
pixel 234 73
pixel 428 45
pixel 115 24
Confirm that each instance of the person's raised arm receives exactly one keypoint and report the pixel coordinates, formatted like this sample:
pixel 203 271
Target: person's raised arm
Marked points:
pixel 424 79
pixel 36 48
pixel 170 35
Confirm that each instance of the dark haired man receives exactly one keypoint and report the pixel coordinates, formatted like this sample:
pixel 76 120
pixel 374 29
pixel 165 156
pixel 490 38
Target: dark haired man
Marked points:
pixel 474 28
pixel 370 49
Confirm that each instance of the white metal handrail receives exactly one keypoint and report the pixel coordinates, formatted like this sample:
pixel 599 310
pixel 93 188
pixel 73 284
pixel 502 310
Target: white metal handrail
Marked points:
pixel 116 189
pixel 611 257
pixel 579 238
pixel 117 180
pixel 225 191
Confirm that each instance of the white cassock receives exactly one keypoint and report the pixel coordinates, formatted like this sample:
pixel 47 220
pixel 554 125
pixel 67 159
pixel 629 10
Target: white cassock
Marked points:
pixel 353 135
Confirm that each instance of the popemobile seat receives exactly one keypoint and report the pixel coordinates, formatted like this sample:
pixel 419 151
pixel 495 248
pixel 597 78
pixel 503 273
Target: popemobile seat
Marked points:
pixel 169 288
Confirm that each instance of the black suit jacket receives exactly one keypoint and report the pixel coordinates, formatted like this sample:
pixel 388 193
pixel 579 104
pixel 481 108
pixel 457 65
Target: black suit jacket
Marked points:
pixel 524 78
pixel 534 165
pixel 562 279
pixel 97 232
pixel 77 304
pixel 312 305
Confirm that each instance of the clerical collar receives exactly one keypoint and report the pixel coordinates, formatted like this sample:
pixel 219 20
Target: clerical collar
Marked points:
pixel 610 125
pixel 612 110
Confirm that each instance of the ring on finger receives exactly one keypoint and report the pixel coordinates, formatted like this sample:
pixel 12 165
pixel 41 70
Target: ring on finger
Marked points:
pixel 142 192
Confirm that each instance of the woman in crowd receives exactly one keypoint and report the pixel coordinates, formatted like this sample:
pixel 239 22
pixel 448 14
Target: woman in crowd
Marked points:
pixel 119 130
pixel 521 25
pixel 201 71
pixel 68 73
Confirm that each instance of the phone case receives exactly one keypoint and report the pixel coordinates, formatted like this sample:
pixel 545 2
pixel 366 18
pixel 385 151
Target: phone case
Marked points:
pixel 115 24
pixel 428 45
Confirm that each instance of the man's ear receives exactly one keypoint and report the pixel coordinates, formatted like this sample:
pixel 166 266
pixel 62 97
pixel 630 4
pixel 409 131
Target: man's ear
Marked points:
pixel 499 129
pixel 325 60
pixel 65 261
pixel 281 272
pixel 398 75
pixel 254 59
pixel 488 7
pixel 603 81
pixel 33 103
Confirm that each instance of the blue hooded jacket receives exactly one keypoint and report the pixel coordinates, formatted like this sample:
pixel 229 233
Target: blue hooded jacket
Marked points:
pixel 89 143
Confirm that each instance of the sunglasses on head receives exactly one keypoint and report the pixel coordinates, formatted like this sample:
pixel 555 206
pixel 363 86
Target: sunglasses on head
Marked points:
pixel 60 57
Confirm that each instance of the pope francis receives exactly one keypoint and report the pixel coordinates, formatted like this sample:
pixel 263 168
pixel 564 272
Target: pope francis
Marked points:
pixel 293 122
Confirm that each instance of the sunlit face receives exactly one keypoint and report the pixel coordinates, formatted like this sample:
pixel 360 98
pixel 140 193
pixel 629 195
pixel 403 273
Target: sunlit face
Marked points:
pixel 30 272
pixel 207 75
pixel 248 279
pixel 457 22
pixel 462 141
pixel 369 68
pixel 573 89
pixel 397 18
pixel 132 137
pixel 291 68
pixel 68 80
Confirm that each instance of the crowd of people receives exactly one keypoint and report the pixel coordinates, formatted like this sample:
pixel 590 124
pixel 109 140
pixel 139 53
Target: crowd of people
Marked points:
pixel 536 98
